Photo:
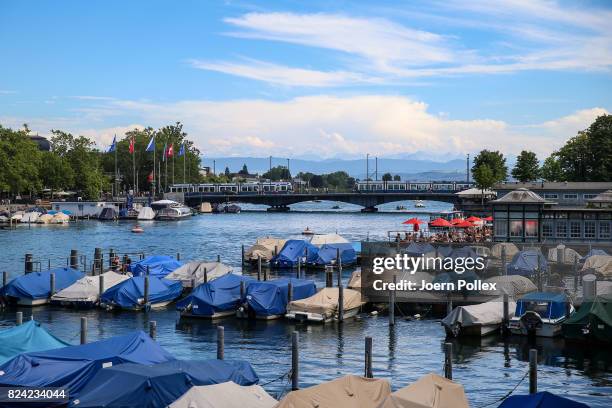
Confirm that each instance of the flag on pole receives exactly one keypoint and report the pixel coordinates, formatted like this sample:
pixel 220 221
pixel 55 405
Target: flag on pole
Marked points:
pixel 165 152
pixel 132 145
pixel 181 150
pixel 170 152
pixel 151 145
pixel 113 147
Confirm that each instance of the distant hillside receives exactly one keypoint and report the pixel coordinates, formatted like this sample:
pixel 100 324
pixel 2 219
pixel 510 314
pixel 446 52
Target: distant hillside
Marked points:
pixel 408 169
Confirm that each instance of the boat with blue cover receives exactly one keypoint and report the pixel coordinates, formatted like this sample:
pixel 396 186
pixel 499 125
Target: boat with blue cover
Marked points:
pixel 129 294
pixel 542 313
pixel 28 337
pixel 34 288
pixel 268 299
pixel 73 367
pixel 155 265
pixel 540 400
pixel 328 253
pixel 528 263
pixel 215 299
pixel 158 385
pixel 294 251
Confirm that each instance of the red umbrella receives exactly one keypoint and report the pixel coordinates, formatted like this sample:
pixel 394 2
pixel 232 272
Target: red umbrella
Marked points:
pixel 456 220
pixel 473 219
pixel 463 224
pixel 489 218
pixel 413 221
pixel 440 222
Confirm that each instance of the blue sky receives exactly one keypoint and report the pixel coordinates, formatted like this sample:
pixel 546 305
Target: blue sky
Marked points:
pixel 311 79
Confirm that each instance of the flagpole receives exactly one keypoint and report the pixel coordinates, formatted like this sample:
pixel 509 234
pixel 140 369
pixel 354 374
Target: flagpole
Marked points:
pixel 184 160
pixel 133 142
pixel 154 166
pixel 116 185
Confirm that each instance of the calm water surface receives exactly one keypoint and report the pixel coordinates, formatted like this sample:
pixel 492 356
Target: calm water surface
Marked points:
pixel 488 368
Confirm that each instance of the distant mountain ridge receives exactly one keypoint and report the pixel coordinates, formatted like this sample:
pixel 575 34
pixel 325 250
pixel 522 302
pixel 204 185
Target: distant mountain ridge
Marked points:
pixel 408 169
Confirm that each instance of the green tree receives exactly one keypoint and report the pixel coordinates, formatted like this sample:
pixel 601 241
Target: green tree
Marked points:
pixel 56 172
pixel 574 158
pixel 387 177
pixel 227 172
pixel 277 173
pixel 19 162
pixel 244 171
pixel 484 177
pixel 551 169
pixel 397 177
pixel 496 163
pixel 317 181
pixel 527 167
pixel 600 146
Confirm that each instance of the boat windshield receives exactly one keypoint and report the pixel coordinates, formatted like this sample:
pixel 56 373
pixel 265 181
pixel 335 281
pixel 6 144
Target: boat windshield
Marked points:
pixel 541 308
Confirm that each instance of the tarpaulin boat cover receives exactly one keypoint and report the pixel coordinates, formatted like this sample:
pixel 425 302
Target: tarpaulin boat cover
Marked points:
pixel 491 312
pixel 463 252
pixel 322 239
pixel 417 249
pixel 30 217
pixel 594 251
pixel 595 317
pixel 220 295
pixel 74 366
pixel 195 271
pixel 158 385
pixel 264 248
pixel 355 281
pixel 540 400
pixel 158 265
pixel 130 293
pixel 226 395
pixel 146 213
pixel 328 252
pixel 446 277
pixel 270 298
pixel 345 392
pixel 601 264
pixel 293 250
pixel 568 255
pixel 30 336
pixel 326 301
pixel 511 250
pixel 444 250
pixel 511 285
pixel 429 391
pixel 526 263
pixel 87 289
pixel 108 214
pixel 37 285
pixel 556 304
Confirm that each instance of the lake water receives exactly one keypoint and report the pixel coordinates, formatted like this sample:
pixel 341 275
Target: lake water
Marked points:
pixel 488 368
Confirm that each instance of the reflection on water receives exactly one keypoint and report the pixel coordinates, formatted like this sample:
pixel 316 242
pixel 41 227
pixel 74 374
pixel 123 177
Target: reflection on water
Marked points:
pixel 488 368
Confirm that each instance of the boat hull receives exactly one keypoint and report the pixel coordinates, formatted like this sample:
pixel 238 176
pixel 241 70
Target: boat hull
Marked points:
pixel 32 302
pixel 217 315
pixel 476 330
pixel 308 317
pixel 548 328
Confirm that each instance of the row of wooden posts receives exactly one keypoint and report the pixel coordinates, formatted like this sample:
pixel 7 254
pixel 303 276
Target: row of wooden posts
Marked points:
pixel 295 369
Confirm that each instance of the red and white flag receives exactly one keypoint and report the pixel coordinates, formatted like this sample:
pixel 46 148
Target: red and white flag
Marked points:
pixel 170 151
pixel 132 145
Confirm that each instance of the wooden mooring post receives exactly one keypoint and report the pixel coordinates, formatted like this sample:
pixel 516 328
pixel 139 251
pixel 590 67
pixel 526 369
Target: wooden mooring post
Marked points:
pixel 368 358
pixel 448 361
pixel 392 303
pixel 220 342
pixel 205 275
pixel 258 267
pixel 178 256
pixel 97 262
pixel 74 259
pixel 506 316
pixel 340 291
pixel 101 285
pixel 51 284
pixel 242 290
pixel 242 255
pixel 19 318
pixel 504 269
pixel 153 329
pixel 29 265
pixel 295 361
pixel 146 289
pixel 4 278
pixel 533 371
pixel 289 292
pixel 83 330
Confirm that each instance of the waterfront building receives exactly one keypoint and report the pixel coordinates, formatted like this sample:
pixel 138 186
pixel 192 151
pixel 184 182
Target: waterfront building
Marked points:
pixel 84 209
pixel 567 193
pixel 522 215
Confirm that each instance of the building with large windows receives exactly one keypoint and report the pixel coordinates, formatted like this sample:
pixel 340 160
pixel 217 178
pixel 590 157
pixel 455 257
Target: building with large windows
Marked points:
pixel 521 215
pixel 567 193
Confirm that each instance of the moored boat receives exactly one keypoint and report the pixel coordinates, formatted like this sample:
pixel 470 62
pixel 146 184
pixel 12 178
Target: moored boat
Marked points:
pixel 34 288
pixel 592 321
pixel 542 313
pixel 86 291
pixel 129 294
pixel 146 214
pixel 268 299
pixel 476 320
pixel 323 306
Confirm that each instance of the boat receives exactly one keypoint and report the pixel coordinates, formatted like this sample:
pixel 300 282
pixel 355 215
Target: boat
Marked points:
pixel 321 239
pixel 85 292
pixel 528 263
pixel 227 394
pixel 347 391
pixel 232 209
pixel 17 216
pixel 323 306
pixel 216 299
pixel 158 385
pixel 400 207
pixel 128 213
pixel 28 337
pixel 293 252
pixel 592 321
pixel 173 213
pixel 108 214
pixel 328 254
pixel 129 294
pixel 429 391
pixel 514 286
pixel 543 312
pixel 146 214
pixel 155 265
pixel 264 248
pixel 205 208
pixel 60 218
pixel 336 207
pixel 34 288
pixel 44 219
pixel 197 272
pixel 30 217
pixel 600 265
pixel 542 399
pixel 307 231
pixel 419 204
pixel 137 229
pixel 72 367
pixel 568 255
pixel 477 320
pixel 268 299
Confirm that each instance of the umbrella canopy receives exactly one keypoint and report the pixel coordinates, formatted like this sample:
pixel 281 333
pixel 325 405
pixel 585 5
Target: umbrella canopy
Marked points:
pixel 473 218
pixel 440 222
pixel 463 224
pixel 457 220
pixel 489 218
pixel 413 221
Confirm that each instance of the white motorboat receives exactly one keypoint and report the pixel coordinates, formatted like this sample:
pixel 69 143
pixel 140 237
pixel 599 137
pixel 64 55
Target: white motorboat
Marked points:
pixel 419 204
pixel 541 312
pixel 323 306
pixel 146 214
pixel 30 217
pixel 173 213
